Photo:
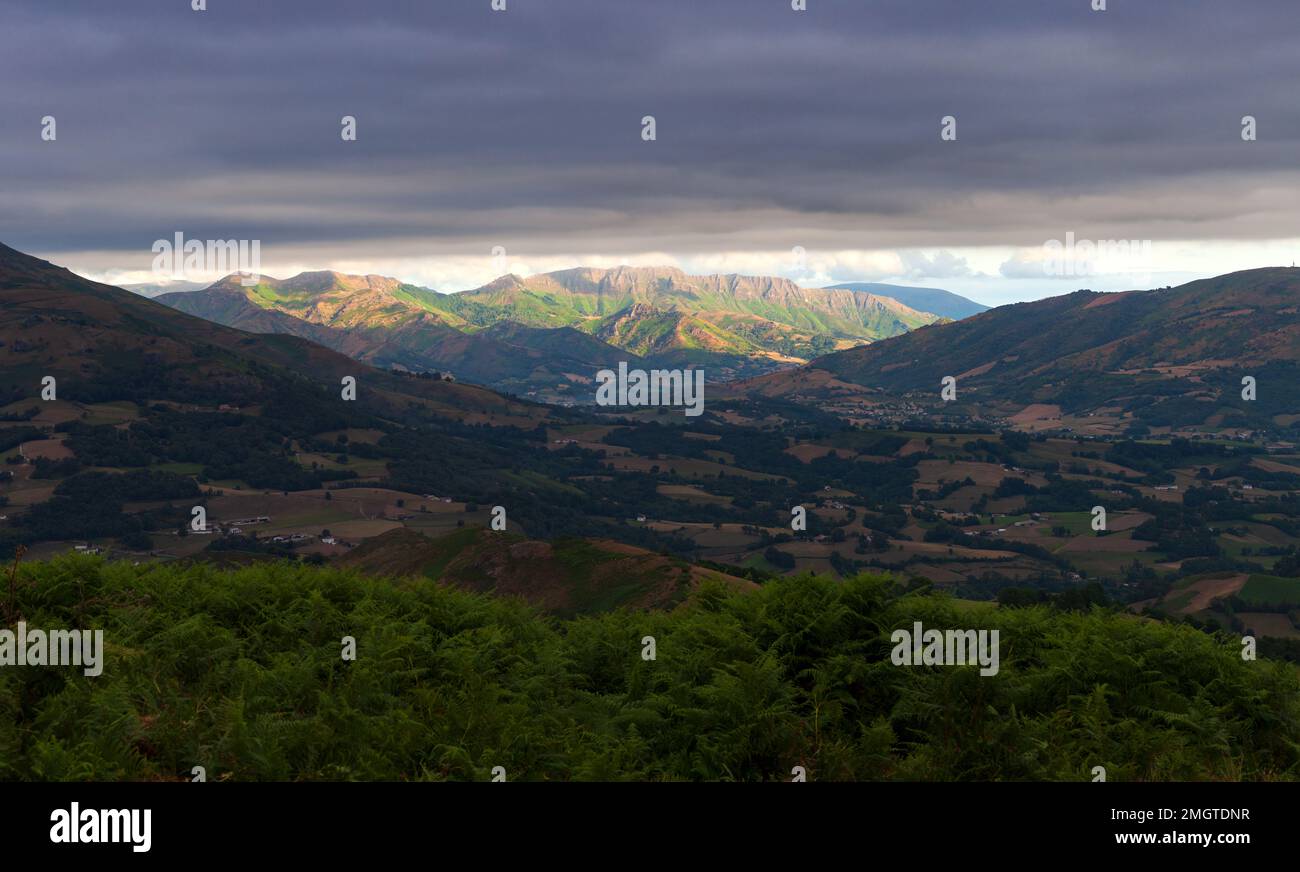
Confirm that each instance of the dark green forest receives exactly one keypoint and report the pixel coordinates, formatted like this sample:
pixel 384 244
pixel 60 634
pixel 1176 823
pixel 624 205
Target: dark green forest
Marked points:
pixel 241 672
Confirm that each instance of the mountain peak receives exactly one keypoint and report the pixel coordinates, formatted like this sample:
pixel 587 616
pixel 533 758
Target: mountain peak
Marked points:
pixel 327 281
pixel 504 283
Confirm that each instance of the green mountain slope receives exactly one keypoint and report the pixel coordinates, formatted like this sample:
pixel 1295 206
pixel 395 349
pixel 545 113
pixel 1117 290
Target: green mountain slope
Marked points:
pixel 391 325
pixel 339 300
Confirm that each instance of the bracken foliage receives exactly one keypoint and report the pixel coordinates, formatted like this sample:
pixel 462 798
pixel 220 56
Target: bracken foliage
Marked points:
pixel 240 672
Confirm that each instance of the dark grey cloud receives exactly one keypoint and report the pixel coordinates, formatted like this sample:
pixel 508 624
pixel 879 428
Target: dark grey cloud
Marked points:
pixel 521 128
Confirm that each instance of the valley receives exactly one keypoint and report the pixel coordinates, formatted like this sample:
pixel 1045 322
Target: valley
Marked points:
pixel 828 499
pixel 986 508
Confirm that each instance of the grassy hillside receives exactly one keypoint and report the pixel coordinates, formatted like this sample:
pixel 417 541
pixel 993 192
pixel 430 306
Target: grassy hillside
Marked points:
pixel 241 672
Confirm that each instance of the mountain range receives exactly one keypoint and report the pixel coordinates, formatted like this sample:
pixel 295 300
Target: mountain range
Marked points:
pixel 545 336
pixel 1170 357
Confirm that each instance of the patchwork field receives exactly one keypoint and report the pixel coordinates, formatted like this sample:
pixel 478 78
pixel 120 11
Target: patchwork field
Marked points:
pixel 1271 590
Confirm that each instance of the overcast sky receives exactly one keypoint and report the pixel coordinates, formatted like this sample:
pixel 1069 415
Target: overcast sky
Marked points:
pixel 805 144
